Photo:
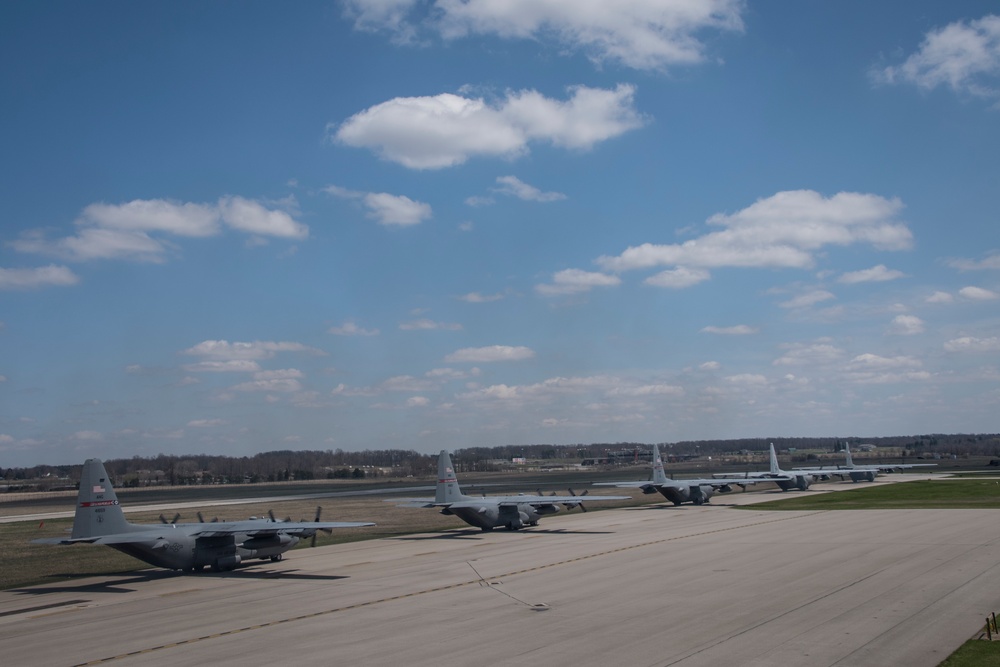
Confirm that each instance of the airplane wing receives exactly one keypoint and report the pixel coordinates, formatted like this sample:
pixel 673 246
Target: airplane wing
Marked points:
pixel 721 481
pixel 715 481
pixel 625 485
pixel 118 538
pixel 890 467
pixel 414 502
pixel 536 501
pixel 256 527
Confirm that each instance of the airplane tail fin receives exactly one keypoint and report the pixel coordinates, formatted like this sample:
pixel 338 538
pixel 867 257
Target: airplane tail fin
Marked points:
pixel 97 509
pixel 847 450
pixel 659 477
pixel 775 469
pixel 448 490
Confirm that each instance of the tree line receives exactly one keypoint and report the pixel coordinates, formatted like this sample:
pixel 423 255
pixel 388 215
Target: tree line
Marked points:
pixel 287 465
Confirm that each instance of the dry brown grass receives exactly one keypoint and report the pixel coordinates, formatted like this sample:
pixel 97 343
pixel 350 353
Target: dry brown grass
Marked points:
pixel 27 564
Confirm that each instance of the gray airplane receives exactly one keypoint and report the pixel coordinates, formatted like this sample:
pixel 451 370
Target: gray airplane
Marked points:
pixel 489 512
pixel 859 473
pixel 677 491
pixel 786 479
pixel 180 546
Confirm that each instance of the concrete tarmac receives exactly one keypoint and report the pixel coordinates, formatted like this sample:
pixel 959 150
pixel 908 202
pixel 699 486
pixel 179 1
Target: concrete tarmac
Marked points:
pixel 656 585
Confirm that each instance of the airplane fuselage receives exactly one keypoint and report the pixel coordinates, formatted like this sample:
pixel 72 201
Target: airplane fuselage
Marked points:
pixel 800 482
pixel 173 548
pixel 683 493
pixel 487 516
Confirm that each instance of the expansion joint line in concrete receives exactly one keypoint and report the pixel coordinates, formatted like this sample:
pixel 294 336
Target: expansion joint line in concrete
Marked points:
pixel 437 589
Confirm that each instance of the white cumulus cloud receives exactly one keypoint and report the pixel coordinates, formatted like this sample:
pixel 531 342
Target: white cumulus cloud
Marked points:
pixel 446 130
pixel 136 230
pixel 906 325
pixel 785 230
pixel 978 293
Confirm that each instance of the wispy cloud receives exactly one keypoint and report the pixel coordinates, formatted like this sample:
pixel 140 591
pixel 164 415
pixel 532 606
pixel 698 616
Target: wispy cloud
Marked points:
pixel 575 281
pixel 430 325
pixel 876 274
pixel 226 351
pixel 282 381
pixel 137 230
pixel 990 262
pixel 515 187
pixel 642 34
pixel 385 208
pixel 963 56
pixel 35 278
pixel 352 329
pixel 476 297
pixel 738 330
pixel 490 354
pixel 808 299
pixel 973 344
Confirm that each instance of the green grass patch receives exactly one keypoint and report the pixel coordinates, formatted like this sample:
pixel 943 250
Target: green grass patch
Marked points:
pixel 974 653
pixel 918 494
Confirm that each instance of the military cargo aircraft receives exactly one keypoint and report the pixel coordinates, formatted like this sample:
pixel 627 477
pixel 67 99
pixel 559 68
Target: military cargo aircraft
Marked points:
pixel 859 473
pixel 677 491
pixel 785 479
pixel 489 512
pixel 180 546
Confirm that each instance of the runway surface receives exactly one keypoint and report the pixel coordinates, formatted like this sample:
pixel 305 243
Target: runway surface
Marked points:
pixel 219 502
pixel 656 585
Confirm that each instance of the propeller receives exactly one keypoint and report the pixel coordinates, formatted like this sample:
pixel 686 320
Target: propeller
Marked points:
pixel 585 492
pixel 174 520
pixel 319 510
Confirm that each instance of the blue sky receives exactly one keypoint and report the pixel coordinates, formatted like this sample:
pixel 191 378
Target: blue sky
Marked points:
pixel 241 227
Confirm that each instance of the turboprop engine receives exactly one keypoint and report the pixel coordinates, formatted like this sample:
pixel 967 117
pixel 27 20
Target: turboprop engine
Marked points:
pixel 271 545
pixel 701 494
